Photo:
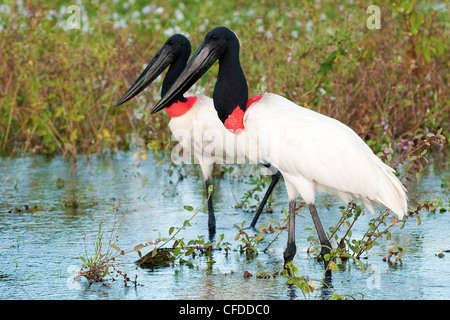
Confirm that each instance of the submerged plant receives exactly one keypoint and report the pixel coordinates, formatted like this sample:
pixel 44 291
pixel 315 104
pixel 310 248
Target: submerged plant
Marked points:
pixel 76 200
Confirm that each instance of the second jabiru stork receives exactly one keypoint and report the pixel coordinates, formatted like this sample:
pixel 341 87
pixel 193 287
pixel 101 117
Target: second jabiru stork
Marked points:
pixel 194 122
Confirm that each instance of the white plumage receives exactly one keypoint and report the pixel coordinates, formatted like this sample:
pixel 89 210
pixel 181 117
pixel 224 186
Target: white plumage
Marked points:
pixel 316 153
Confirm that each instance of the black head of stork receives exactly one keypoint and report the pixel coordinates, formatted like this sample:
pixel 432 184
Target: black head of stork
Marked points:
pixel 175 52
pixel 219 44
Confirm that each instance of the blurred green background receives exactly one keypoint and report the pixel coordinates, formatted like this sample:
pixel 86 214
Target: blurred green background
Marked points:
pixel 58 85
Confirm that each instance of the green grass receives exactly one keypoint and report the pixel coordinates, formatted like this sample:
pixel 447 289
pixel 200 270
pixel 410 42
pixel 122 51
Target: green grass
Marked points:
pixel 58 86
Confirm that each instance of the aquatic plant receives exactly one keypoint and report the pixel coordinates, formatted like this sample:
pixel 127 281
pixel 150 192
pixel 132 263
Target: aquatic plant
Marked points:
pixel 247 201
pixel 103 262
pixel 248 243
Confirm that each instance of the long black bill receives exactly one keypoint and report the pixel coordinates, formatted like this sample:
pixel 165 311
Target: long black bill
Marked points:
pixel 156 66
pixel 201 61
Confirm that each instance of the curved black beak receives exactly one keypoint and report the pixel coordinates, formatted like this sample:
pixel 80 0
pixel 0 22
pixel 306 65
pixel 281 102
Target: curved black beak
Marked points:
pixel 201 61
pixel 156 66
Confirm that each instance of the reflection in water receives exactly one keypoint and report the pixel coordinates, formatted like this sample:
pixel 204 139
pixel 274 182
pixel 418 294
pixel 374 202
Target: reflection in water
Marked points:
pixel 47 205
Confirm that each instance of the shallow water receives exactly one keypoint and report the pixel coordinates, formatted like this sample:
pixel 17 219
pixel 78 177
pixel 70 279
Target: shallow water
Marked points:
pixel 40 247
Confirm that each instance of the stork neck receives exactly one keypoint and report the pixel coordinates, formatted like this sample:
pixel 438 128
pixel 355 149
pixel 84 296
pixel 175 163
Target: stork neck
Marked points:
pixel 176 67
pixel 231 91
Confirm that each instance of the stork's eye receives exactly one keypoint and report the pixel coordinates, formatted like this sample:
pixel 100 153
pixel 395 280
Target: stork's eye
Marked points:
pixel 214 37
pixel 171 42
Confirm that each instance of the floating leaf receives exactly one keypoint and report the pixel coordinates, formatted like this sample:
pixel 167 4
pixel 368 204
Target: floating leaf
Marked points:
pixel 188 208
pixel 419 220
pixel 139 247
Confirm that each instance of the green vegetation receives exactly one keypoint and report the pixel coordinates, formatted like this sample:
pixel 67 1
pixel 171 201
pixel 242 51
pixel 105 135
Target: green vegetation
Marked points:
pixel 58 85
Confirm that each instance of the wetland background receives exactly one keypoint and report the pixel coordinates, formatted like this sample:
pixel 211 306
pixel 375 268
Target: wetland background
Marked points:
pixel 71 160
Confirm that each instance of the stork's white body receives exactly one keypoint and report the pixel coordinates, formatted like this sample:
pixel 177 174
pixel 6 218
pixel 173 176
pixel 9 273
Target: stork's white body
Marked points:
pixel 316 153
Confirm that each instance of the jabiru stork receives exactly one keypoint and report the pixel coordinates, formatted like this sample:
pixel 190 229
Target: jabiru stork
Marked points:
pixel 313 152
pixel 194 122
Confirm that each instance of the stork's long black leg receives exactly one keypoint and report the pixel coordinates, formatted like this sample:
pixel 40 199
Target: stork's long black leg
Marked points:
pixel 326 246
pixel 275 178
pixel 291 249
pixel 211 217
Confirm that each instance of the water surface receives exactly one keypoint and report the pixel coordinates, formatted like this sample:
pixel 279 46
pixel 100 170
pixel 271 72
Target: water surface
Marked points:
pixel 41 236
